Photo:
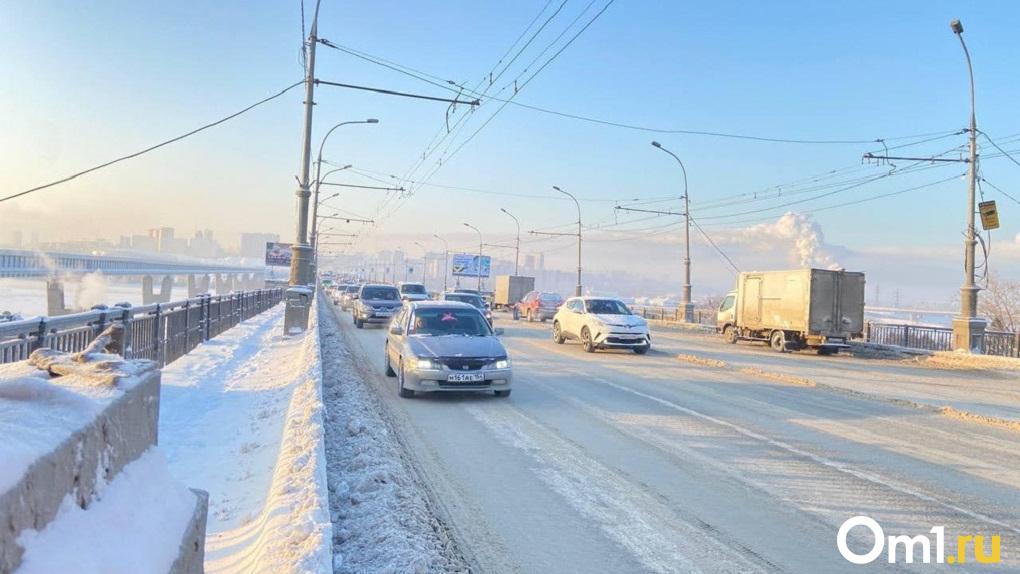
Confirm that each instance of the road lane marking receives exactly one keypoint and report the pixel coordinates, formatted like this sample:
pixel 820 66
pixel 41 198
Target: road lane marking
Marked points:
pixel 866 476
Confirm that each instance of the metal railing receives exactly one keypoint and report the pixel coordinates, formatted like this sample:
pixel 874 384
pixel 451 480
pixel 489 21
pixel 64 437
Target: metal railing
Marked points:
pixel 675 314
pixel 163 332
pixel 938 338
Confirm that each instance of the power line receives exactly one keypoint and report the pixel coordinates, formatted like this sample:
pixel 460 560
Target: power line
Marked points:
pixel 1004 152
pixel 716 247
pixel 996 188
pixel 154 147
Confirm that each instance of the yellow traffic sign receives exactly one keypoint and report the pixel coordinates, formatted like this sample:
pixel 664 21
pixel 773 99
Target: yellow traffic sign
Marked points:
pixel 989 215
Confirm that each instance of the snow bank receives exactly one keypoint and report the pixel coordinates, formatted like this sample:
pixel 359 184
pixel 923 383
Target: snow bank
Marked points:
pixel 241 417
pixel 382 515
pixel 133 527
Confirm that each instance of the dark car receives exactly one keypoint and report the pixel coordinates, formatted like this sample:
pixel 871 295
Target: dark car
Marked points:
pixel 471 299
pixel 376 304
pixel 539 305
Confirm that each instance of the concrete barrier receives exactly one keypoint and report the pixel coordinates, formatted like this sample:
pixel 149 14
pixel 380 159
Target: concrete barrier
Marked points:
pixel 86 417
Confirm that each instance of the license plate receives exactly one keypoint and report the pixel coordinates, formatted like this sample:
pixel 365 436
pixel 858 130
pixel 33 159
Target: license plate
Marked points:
pixel 465 377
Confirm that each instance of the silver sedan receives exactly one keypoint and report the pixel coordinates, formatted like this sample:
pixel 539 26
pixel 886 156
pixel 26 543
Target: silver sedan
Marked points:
pixel 438 346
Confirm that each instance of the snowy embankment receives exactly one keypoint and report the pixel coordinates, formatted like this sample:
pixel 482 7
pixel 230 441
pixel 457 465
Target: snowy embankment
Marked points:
pixel 383 520
pixel 241 417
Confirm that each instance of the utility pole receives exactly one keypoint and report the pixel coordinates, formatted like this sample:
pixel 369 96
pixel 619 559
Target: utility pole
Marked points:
pixel 688 303
pixel 298 304
pixel 478 268
pixel 578 290
pixel 968 329
pixel 517 245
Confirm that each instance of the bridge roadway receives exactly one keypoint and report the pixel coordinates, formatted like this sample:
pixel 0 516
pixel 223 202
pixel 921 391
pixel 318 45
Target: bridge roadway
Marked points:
pixel 705 457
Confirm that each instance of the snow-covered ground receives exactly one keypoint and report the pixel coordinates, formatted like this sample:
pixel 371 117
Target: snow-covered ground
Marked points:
pixel 241 417
pixel 383 520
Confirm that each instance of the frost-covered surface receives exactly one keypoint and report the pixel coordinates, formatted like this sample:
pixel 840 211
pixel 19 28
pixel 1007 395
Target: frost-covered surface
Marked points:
pixel 241 417
pixel 134 526
pixel 382 518
pixel 38 412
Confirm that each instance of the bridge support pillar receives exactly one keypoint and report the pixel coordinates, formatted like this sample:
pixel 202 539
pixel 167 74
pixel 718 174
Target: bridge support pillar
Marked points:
pixel 192 287
pixel 203 284
pixel 166 290
pixel 148 298
pixel 55 298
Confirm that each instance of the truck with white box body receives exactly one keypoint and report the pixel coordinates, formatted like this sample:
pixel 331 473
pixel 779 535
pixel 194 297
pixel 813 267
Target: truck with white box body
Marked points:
pixel 798 309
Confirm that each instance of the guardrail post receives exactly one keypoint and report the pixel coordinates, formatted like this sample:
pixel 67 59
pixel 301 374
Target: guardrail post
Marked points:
pixel 906 336
pixel 206 314
pixel 40 337
pixel 157 339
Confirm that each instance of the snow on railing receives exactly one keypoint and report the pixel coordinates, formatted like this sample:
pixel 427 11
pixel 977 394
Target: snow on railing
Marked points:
pixel 162 332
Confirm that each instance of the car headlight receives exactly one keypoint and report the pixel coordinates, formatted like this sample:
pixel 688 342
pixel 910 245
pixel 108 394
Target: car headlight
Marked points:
pixel 426 365
pixel 503 364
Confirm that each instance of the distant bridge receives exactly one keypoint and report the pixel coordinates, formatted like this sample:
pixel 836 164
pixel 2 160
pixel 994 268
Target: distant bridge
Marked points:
pixel 58 267
pixel 21 263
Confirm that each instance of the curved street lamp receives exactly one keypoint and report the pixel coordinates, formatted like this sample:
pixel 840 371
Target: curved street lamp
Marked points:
pixel 687 302
pixel 478 267
pixel 578 289
pixel 517 245
pixel 968 329
pixel 446 259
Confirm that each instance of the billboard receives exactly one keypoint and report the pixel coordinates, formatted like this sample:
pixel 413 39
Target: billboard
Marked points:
pixel 278 254
pixel 465 265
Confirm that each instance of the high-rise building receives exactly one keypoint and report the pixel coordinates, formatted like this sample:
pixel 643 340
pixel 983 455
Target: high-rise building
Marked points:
pixel 254 244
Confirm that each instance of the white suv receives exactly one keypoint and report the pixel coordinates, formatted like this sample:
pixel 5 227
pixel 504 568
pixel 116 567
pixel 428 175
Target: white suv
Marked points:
pixel 601 323
pixel 413 292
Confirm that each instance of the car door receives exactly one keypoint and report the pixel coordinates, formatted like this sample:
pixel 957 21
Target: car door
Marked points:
pixel 395 343
pixel 574 317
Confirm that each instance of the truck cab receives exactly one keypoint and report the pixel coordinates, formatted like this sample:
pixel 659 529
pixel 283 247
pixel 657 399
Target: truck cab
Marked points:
pixel 726 316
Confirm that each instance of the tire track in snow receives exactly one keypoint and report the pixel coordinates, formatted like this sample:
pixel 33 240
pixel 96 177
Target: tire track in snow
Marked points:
pixel 653 533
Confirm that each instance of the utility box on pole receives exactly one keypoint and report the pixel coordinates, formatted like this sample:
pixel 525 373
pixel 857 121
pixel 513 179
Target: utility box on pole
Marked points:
pixel 299 305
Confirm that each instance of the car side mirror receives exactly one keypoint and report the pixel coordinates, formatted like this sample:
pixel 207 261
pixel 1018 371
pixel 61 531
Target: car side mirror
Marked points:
pixel 396 330
pixel 498 331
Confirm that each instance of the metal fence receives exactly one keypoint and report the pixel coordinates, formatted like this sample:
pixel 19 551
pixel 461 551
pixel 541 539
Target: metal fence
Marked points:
pixel 162 332
pixel 702 316
pixel 938 338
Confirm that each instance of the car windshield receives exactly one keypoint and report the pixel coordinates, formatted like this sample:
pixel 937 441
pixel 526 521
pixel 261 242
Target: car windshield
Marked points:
pixel 380 293
pixel 466 298
pixel 413 289
pixel 441 321
pixel 607 307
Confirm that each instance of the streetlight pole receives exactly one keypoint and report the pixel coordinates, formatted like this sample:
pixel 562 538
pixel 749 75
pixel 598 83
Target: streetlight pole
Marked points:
pixel 446 259
pixel 687 302
pixel 478 268
pixel 315 206
pixel 968 329
pixel 577 290
pixel 318 166
pixel 423 260
pixel 517 246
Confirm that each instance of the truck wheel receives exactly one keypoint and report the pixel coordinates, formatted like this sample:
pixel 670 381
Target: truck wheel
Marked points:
pixel 778 341
pixel 729 334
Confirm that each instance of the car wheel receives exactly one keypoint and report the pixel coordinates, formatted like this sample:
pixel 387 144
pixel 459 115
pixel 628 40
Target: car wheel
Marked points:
pixel 586 342
pixel 502 394
pixel 730 334
pixel 558 337
pixel 642 349
pixel 389 368
pixel 404 393
pixel 778 341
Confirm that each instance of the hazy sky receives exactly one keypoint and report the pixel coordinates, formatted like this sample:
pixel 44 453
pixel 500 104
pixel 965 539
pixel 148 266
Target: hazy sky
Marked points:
pixel 86 82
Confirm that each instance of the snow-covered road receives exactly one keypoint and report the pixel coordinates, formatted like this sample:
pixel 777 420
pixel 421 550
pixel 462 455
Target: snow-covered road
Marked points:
pixel 615 462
